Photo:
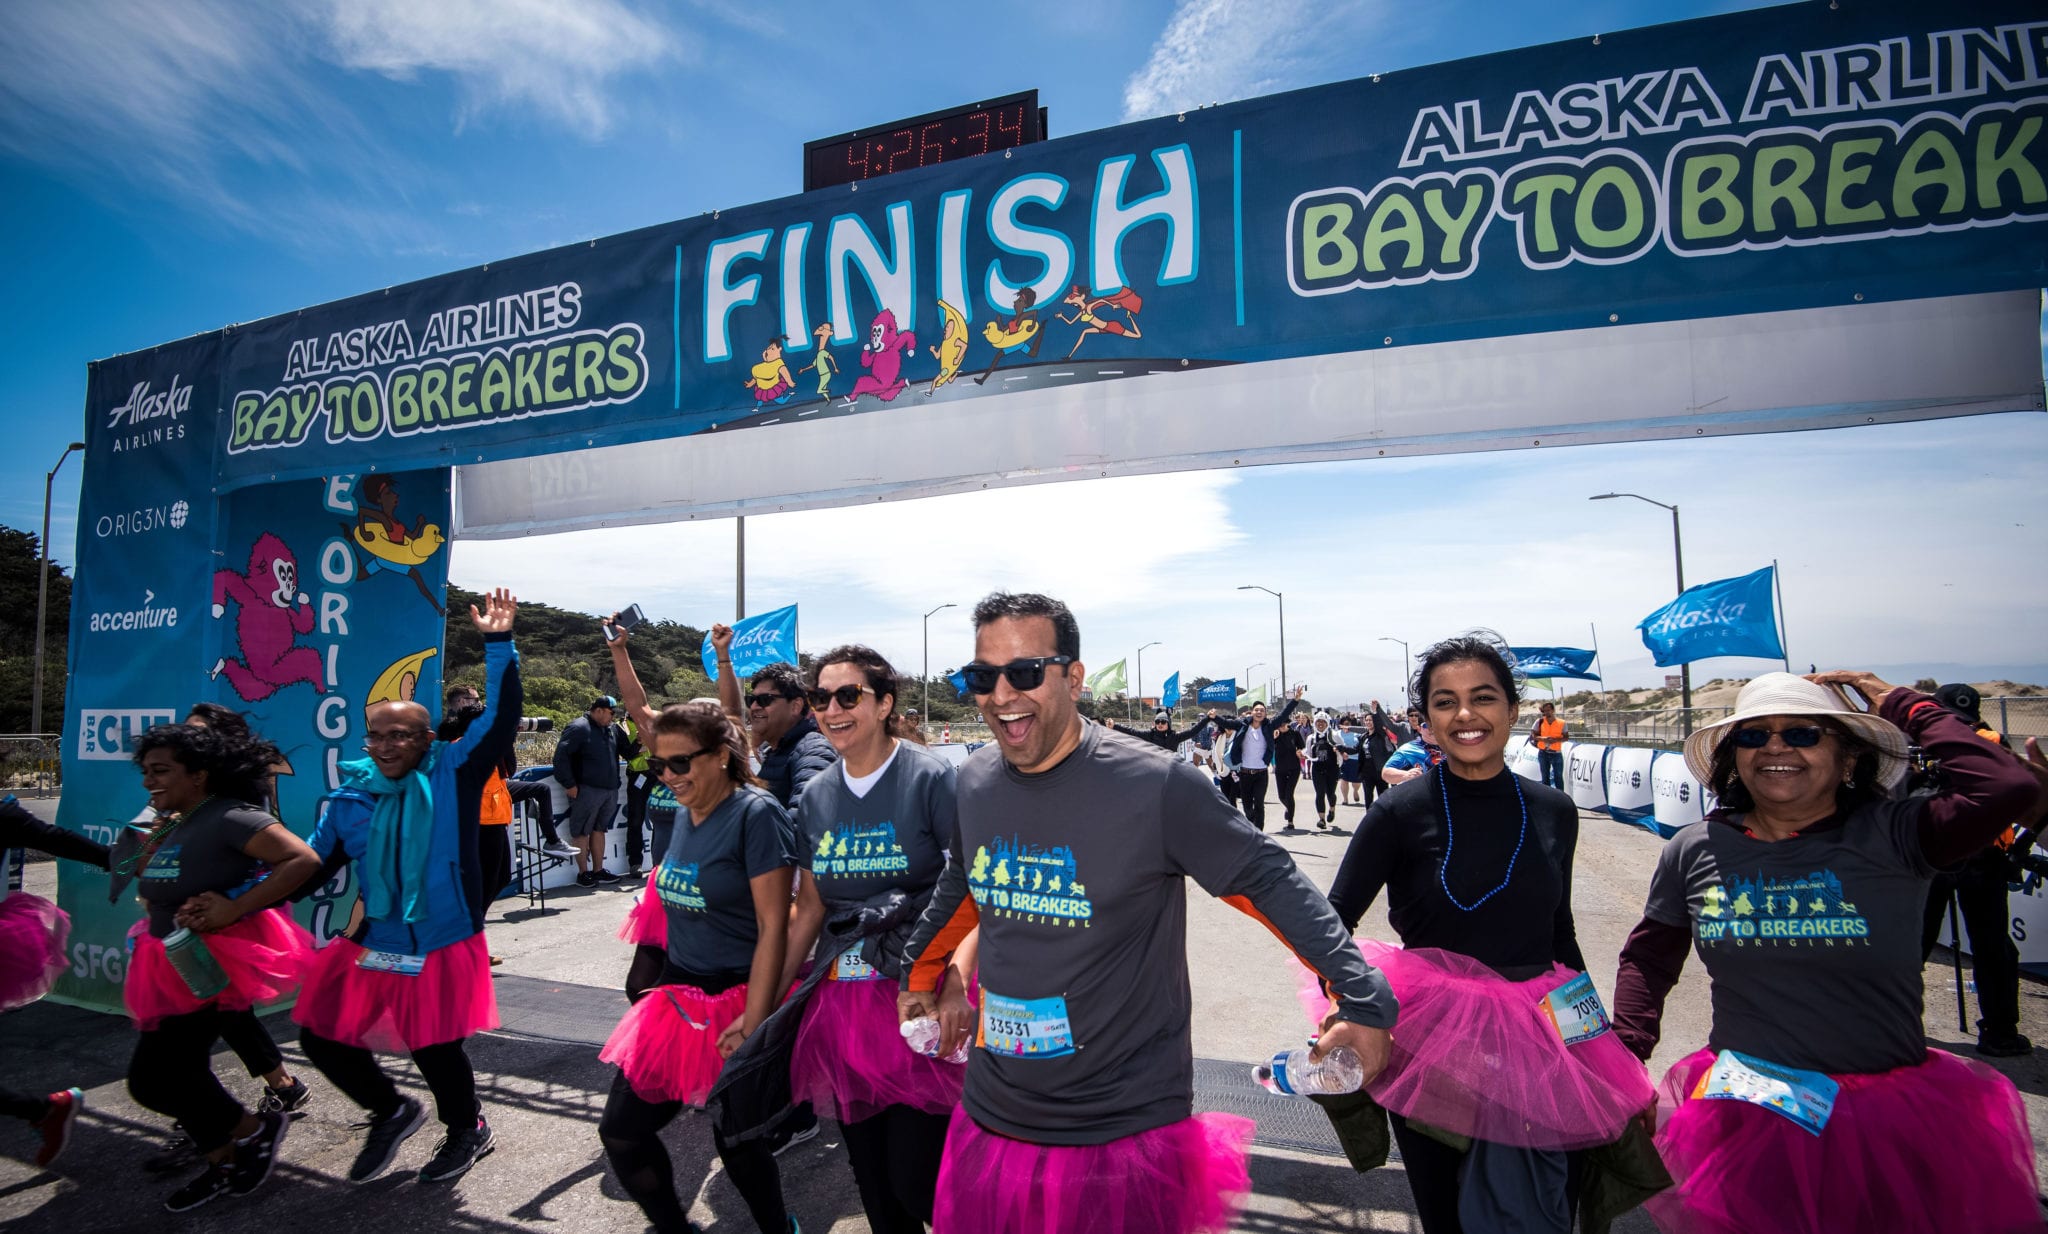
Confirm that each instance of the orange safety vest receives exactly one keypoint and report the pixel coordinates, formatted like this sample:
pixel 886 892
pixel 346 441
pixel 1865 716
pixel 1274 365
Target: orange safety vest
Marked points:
pixel 1550 736
pixel 496 808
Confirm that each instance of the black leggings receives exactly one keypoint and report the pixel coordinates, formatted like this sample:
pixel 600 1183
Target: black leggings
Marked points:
pixel 895 1158
pixel 251 1042
pixel 1324 776
pixel 1284 780
pixel 631 1131
pixel 172 1073
pixel 354 1070
pixel 494 861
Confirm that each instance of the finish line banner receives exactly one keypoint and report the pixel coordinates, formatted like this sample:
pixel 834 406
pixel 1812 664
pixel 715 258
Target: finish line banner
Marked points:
pixel 1798 159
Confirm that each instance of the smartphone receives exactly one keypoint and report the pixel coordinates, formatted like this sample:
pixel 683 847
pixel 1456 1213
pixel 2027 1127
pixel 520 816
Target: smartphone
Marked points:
pixel 629 617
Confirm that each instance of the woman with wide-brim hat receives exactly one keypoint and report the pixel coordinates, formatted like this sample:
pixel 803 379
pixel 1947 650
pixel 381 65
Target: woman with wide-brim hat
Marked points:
pixel 1817 1105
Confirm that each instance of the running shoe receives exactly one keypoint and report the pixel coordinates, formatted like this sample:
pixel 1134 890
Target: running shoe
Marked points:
pixel 586 879
pixel 2003 1046
pixel 256 1156
pixel 605 876
pixel 288 1100
pixel 386 1134
pixel 555 848
pixel 55 1125
pixel 459 1150
pixel 218 1180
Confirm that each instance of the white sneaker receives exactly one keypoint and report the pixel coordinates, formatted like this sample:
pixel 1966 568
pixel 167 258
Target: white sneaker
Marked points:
pixel 555 848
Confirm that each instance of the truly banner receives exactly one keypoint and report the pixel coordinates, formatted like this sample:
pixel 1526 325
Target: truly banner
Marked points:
pixel 1108 680
pixel 757 642
pixel 1727 617
pixel 1224 691
pixel 1171 696
pixel 1537 662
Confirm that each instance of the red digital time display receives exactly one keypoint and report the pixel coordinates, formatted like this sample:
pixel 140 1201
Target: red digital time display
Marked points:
pixel 922 141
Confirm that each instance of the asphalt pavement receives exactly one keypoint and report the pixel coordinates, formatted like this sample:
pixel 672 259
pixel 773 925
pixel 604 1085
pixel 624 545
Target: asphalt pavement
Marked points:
pixel 543 1087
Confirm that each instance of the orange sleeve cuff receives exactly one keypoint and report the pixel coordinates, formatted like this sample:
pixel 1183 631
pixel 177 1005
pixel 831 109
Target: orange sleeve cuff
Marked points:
pixel 930 967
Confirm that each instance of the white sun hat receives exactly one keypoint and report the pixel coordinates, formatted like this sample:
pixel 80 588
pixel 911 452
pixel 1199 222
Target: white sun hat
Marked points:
pixel 1787 694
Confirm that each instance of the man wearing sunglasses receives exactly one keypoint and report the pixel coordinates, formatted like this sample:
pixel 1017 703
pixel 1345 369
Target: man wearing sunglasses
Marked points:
pixel 785 734
pixel 1071 856
pixel 1161 733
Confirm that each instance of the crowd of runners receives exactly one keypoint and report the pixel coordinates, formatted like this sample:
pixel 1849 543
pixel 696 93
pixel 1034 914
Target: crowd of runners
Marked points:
pixel 981 973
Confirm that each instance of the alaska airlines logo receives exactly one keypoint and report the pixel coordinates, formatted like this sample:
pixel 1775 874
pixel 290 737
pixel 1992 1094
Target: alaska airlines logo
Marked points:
pixel 1024 880
pixel 142 405
pixel 855 851
pixel 147 616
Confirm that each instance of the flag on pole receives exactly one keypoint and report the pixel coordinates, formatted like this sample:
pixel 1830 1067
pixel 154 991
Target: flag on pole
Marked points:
pixel 757 642
pixel 1108 680
pixel 1172 696
pixel 1538 662
pixel 1252 696
pixel 1224 691
pixel 1727 617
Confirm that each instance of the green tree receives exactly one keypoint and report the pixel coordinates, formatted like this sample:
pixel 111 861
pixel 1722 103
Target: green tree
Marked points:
pixel 20 559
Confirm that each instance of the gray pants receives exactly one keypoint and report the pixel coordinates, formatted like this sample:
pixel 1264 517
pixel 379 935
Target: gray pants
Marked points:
pixel 592 809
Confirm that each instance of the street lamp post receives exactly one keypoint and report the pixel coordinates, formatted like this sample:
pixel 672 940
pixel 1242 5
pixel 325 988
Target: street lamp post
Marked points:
pixel 1406 670
pixel 1141 674
pixel 926 680
pixel 1678 561
pixel 1283 628
pixel 1246 680
pixel 35 706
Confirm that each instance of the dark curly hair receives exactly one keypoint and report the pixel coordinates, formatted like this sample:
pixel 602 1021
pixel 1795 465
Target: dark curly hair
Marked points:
pixel 235 766
pixel 879 673
pixel 784 678
pixel 215 716
pixel 1481 646
pixel 997 605
pixel 1862 787
pixel 711 727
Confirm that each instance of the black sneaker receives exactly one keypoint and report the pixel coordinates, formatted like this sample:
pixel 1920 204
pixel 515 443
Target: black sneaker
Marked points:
pixel 605 876
pixel 585 878
pixel 459 1150
pixel 289 1100
pixel 256 1156
pixel 180 1154
pixel 386 1134
pixel 218 1180
pixel 2004 1046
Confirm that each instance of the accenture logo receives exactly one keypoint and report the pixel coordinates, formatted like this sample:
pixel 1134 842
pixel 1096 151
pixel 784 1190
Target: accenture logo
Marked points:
pixel 146 616
pixel 142 520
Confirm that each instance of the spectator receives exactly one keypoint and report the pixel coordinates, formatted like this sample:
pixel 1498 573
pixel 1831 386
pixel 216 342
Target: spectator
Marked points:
pixel 913 728
pixel 1550 737
pixel 587 768
pixel 521 792
pixel 785 734
pixel 640 786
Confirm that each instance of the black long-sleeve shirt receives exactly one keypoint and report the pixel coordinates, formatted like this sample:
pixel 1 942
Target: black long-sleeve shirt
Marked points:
pixel 1165 738
pixel 21 829
pixel 1519 931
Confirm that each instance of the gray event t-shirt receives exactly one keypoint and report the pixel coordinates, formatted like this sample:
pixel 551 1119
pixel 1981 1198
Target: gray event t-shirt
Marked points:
pixel 1812 944
pixel 204 853
pixel 704 882
pixel 892 839
pixel 1078 876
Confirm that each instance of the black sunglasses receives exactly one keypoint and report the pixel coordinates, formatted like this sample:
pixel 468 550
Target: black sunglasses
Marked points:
pixel 1023 674
pixel 758 701
pixel 679 765
pixel 846 696
pixel 1799 737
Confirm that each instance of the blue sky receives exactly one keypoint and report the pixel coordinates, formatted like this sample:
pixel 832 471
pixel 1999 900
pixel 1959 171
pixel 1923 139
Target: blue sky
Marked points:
pixel 172 167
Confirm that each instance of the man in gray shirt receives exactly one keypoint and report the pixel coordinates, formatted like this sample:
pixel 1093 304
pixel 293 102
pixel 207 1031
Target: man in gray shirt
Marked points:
pixel 1071 855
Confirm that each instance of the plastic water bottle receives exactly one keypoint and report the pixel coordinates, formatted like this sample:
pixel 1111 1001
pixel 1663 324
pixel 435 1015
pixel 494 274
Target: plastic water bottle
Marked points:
pixel 1291 1073
pixel 193 961
pixel 922 1035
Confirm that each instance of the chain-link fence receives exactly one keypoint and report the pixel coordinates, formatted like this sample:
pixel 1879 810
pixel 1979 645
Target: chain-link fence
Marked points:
pixel 1665 727
pixel 29 764
pixel 2018 716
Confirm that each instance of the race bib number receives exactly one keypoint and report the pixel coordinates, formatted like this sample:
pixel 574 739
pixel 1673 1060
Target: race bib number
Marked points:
pixel 1805 1097
pixel 850 967
pixel 391 962
pixel 1574 1010
pixel 1025 1027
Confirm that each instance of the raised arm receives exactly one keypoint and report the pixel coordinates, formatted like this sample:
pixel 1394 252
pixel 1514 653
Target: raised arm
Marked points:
pixel 492 735
pixel 728 681
pixel 632 695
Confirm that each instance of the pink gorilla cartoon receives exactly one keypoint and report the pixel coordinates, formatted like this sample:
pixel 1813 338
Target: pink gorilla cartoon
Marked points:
pixel 273 612
pixel 883 360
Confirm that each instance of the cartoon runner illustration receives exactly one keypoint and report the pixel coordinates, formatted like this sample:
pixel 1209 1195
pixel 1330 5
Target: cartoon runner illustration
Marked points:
pixel 1085 305
pixel 770 380
pixel 1017 332
pixel 379 532
pixel 824 366
pixel 883 360
pixel 952 349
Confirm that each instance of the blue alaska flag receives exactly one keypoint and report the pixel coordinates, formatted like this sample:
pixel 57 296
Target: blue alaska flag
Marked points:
pixel 1727 617
pixel 1539 662
pixel 1171 697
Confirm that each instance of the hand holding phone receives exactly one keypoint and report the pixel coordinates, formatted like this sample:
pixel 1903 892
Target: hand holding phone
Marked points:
pixel 622 623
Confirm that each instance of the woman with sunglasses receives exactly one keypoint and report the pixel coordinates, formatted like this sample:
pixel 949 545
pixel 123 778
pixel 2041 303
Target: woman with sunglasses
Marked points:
pixel 1489 1096
pixel 876 829
pixel 201 874
pixel 710 931
pixel 1802 894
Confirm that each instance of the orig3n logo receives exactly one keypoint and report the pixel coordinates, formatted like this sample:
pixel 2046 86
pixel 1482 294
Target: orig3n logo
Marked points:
pixel 142 520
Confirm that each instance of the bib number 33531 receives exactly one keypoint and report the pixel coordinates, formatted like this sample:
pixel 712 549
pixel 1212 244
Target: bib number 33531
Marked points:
pixel 1025 1027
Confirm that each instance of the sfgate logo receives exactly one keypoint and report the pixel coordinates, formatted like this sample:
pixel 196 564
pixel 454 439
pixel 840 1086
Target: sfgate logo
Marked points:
pixel 108 734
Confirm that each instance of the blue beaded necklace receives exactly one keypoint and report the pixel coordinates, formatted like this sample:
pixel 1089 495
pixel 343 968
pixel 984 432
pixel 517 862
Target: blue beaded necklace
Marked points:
pixel 1443 784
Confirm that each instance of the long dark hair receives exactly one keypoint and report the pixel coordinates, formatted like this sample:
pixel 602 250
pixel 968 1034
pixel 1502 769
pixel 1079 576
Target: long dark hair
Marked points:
pixel 1481 646
pixel 237 766
pixel 1862 787
pixel 876 670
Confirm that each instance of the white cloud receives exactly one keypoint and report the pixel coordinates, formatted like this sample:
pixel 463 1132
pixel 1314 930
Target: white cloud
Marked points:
pixel 1217 51
pixel 558 59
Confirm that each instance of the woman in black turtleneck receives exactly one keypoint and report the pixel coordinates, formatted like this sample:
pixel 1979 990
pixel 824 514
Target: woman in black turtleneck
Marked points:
pixel 1477 866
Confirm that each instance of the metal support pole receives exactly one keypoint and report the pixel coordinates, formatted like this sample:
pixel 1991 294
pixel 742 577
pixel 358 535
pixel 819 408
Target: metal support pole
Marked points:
pixel 1684 670
pixel 35 706
pixel 739 582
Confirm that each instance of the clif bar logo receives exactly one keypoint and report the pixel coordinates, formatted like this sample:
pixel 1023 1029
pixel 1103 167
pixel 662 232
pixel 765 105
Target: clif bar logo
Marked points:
pixel 108 734
pixel 148 419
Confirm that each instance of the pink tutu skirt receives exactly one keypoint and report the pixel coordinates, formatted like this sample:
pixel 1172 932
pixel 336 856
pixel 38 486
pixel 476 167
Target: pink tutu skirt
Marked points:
pixel 668 1043
pixel 850 1060
pixel 1474 1054
pixel 265 956
pixel 647 924
pixel 32 936
pixel 1188 1177
pixel 1933 1149
pixel 449 999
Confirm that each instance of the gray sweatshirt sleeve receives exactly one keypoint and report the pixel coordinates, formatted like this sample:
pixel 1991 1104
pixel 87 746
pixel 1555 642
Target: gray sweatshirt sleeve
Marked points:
pixel 1214 845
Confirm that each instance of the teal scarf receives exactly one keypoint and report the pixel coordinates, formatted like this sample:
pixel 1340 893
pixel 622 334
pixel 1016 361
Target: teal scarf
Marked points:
pixel 394 866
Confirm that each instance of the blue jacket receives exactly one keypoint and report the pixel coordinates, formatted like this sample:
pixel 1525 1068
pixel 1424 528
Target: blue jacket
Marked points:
pixel 1244 725
pixel 454 912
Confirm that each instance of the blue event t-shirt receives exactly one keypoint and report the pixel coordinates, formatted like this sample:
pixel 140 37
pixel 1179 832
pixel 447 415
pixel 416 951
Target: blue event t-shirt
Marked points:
pixel 892 838
pixel 704 880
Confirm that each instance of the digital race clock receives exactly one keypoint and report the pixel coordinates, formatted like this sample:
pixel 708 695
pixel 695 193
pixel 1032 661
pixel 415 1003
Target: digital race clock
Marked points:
pixel 922 141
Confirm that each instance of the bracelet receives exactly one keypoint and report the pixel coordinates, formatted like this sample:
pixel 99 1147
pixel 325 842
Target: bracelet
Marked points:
pixel 1913 712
